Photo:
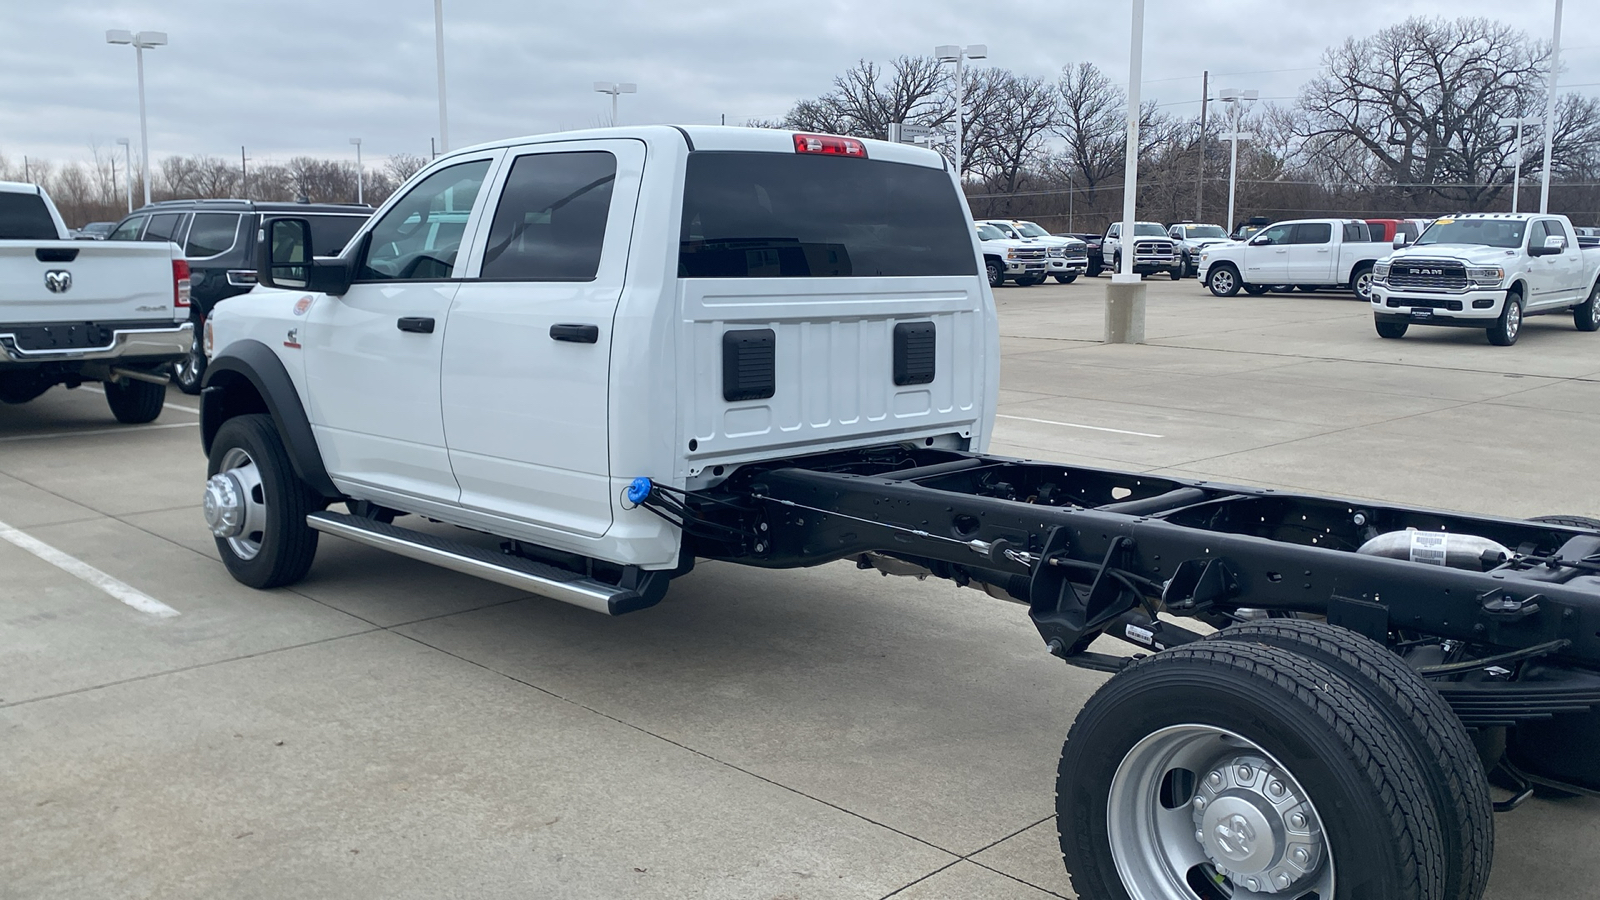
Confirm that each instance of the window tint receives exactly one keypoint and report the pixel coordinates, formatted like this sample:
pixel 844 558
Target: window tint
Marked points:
pixel 128 230
pixel 162 227
pixel 750 215
pixel 329 234
pixel 24 217
pixel 211 234
pixel 1538 234
pixel 1115 230
pixel 1409 229
pixel 1352 233
pixel 419 237
pixel 551 220
pixel 1313 233
pixel 1487 232
pixel 1148 229
pixel 1277 234
pixel 987 232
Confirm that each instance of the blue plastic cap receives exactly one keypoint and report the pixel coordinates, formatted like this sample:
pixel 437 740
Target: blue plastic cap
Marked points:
pixel 639 490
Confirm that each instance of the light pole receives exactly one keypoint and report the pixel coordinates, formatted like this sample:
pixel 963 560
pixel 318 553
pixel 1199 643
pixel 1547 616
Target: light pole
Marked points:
pixel 127 159
pixel 357 142
pixel 1237 99
pixel 954 53
pixel 141 42
pixel 1518 122
pixel 1550 111
pixel 1125 293
pixel 615 88
pixel 438 52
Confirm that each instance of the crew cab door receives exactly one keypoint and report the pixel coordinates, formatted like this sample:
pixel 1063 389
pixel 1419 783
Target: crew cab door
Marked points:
pixel 372 355
pixel 527 358
pixel 1554 278
pixel 1266 256
pixel 1311 258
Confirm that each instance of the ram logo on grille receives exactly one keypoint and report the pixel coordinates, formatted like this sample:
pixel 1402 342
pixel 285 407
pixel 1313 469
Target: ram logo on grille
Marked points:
pixel 1416 271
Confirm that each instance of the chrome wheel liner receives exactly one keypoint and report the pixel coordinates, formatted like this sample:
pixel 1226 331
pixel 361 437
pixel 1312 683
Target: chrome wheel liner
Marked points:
pixel 1594 305
pixel 1244 819
pixel 236 504
pixel 1513 319
pixel 1364 285
pixel 1222 280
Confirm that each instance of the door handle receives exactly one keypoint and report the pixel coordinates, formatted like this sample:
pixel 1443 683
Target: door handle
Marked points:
pixel 415 324
pixel 576 334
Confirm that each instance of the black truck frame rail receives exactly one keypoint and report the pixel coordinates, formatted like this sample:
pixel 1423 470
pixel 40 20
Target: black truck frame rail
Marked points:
pixel 1511 639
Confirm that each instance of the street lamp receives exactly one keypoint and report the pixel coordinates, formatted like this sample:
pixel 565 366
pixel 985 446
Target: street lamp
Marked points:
pixel 141 42
pixel 954 53
pixel 127 158
pixel 438 52
pixel 357 142
pixel 615 88
pixel 1237 99
pixel 1125 293
pixel 1518 122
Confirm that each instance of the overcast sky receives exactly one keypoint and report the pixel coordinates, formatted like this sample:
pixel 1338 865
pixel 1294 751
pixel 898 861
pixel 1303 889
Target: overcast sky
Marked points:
pixel 303 76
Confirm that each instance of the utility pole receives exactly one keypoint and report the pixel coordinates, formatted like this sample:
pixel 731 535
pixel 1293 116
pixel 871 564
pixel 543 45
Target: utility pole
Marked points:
pixel 1125 293
pixel 1550 111
pixel 438 48
pixel 1200 178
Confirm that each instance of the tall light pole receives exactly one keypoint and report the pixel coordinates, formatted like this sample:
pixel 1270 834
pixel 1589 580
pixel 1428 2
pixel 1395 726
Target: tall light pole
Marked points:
pixel 954 53
pixel 1518 122
pixel 127 159
pixel 1237 99
pixel 357 142
pixel 1125 293
pixel 438 52
pixel 615 88
pixel 141 42
pixel 1550 111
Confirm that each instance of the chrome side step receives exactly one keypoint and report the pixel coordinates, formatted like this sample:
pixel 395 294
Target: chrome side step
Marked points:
pixel 514 571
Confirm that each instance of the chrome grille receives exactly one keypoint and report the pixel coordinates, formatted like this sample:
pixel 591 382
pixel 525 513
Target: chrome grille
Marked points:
pixel 1027 254
pixel 1058 251
pixel 1152 248
pixel 1428 274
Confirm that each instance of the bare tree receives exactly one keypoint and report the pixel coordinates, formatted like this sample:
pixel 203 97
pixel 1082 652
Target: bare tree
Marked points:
pixel 866 99
pixel 402 166
pixel 1093 123
pixel 1011 130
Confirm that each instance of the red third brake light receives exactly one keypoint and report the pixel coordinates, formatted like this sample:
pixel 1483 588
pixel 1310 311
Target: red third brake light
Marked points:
pixel 828 144
pixel 180 283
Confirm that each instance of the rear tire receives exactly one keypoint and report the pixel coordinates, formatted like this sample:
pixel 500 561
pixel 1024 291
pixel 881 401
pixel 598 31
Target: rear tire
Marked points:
pixel 1258 718
pixel 1030 280
pixel 1223 281
pixel 1176 272
pixel 1094 270
pixel 190 372
pixel 135 402
pixel 1255 290
pixel 1506 329
pixel 1392 330
pixel 273 546
pixel 1586 315
pixel 1066 279
pixel 1446 756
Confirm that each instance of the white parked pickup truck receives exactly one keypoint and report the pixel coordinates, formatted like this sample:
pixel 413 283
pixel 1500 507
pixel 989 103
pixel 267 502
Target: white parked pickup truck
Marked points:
pixel 1068 256
pixel 75 311
pixel 1153 250
pixel 1022 260
pixel 1305 253
pixel 1489 271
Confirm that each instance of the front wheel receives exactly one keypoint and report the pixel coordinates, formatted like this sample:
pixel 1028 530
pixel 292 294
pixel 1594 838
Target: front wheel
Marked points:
pixel 1503 333
pixel 1066 279
pixel 1232 769
pixel 1392 330
pixel 1586 315
pixel 256 506
pixel 997 275
pixel 135 402
pixel 1176 272
pixel 1223 281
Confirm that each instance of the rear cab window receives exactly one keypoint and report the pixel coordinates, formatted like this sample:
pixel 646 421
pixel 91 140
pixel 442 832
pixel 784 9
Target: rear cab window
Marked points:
pixel 165 227
pixel 211 234
pixel 776 215
pixel 25 217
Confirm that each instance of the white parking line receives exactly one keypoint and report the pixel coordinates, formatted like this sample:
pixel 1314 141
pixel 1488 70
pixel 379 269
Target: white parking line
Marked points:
pixel 1076 425
pixel 123 430
pixel 187 409
pixel 78 568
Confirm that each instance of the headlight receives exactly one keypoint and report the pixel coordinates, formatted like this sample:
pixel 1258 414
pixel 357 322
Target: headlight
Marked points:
pixel 1204 256
pixel 1486 274
pixel 1011 254
pixel 1380 271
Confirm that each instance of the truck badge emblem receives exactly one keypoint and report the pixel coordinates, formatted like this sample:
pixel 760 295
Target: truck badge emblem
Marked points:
pixel 301 305
pixel 292 339
pixel 58 281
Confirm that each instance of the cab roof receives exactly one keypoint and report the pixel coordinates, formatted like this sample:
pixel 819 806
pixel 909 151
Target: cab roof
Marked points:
pixel 717 137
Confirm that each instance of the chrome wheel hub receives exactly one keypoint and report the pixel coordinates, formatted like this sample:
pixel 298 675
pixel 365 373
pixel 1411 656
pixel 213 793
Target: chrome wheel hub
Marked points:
pixel 1513 319
pixel 235 504
pixel 1197 803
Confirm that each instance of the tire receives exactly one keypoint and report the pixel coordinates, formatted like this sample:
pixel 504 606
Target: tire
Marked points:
pixel 1281 288
pixel 1094 270
pixel 1255 290
pixel 1248 716
pixel 1223 281
pixel 1030 280
pixel 135 402
pixel 1569 521
pixel 249 472
pixel 1451 768
pixel 190 372
pixel 1066 279
pixel 1305 288
pixel 1392 330
pixel 997 275
pixel 1586 315
pixel 1506 329
pixel 1176 272
pixel 1361 282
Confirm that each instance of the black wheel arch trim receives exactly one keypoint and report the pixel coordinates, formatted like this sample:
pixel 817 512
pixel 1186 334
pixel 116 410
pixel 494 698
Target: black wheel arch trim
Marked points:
pixel 254 362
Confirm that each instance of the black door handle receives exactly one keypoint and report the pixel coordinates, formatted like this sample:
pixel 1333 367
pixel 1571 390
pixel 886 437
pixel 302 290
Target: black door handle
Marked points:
pixel 417 324
pixel 577 334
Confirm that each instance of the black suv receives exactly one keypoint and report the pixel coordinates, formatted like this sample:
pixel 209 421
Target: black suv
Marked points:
pixel 219 239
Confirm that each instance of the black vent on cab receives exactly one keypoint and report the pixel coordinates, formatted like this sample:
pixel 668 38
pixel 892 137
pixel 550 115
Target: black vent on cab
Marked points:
pixel 914 344
pixel 749 364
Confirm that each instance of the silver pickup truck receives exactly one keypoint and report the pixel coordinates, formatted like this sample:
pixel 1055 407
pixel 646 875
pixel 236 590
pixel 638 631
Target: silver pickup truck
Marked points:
pixel 115 312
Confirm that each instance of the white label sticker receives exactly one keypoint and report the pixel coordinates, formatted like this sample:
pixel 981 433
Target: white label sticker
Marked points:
pixel 1429 548
pixel 1142 635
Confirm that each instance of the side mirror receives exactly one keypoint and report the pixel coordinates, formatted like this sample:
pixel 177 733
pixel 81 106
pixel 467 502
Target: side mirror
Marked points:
pixel 1260 241
pixel 285 258
pixel 1400 240
pixel 1550 247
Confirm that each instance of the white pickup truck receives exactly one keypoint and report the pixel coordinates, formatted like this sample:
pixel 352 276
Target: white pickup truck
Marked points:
pixel 1489 271
pixel 1153 250
pixel 604 355
pixel 76 311
pixel 1304 253
pixel 1025 261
